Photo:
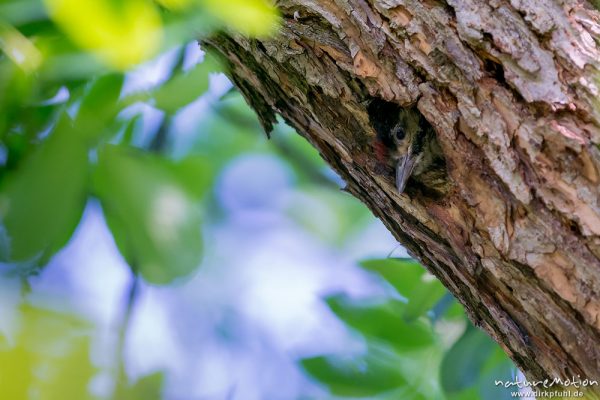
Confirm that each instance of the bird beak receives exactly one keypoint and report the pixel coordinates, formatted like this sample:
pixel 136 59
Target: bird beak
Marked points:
pixel 404 168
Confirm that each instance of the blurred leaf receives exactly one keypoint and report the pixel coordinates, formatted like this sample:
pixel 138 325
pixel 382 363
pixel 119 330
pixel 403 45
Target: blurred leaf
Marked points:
pixel 175 4
pixel 50 357
pixel 102 92
pixel 359 376
pixel 70 374
pixel 41 201
pixel 382 322
pixel 187 23
pixel 185 87
pixel 412 281
pixel 16 367
pixel 250 17
pixel 122 34
pixel 17 12
pixel 19 48
pixel 195 175
pixel 147 387
pixel 99 106
pixel 462 365
pixel 73 66
pixel 497 367
pixel 153 217
pixel 449 308
pixel 16 90
pixel 17 147
pixel 131 127
pixel 38 118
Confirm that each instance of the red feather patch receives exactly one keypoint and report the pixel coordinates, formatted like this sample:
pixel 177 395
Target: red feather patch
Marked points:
pixel 381 151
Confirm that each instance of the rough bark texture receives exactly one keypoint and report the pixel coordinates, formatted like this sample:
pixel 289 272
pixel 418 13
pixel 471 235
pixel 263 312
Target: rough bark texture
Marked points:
pixel 510 89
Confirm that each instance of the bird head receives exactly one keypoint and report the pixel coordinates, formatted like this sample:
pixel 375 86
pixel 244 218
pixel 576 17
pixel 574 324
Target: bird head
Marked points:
pixel 408 137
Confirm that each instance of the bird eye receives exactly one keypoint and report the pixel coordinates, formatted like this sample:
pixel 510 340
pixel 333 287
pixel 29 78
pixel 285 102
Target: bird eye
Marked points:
pixel 400 134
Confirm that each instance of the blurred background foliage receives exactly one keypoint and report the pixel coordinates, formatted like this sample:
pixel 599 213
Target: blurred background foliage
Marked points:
pixel 419 343
pixel 127 164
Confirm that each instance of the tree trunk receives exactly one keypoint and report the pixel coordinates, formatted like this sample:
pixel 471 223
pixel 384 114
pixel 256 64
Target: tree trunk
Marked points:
pixel 510 88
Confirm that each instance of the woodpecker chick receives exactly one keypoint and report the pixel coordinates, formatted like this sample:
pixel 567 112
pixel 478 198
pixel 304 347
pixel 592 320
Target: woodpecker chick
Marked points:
pixel 406 140
pixel 415 147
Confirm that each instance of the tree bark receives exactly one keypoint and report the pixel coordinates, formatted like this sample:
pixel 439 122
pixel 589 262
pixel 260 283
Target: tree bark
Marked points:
pixel 510 87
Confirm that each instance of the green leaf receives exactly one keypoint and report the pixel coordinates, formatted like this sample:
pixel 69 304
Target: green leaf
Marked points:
pixel 16 372
pixel 402 274
pixel 16 90
pixel 38 118
pixel 497 367
pixel 99 106
pixel 71 374
pixel 41 202
pixel 250 17
pixel 51 356
pixel 185 87
pixel 195 174
pixel 122 34
pixel 131 127
pixel 360 376
pixel 449 308
pixel 147 387
pixel 17 147
pixel 153 217
pixel 462 365
pixel 412 281
pixel 18 12
pixel 383 322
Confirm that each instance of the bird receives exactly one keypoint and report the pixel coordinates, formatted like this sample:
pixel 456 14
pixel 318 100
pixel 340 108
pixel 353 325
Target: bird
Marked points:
pixel 406 140
pixel 415 147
